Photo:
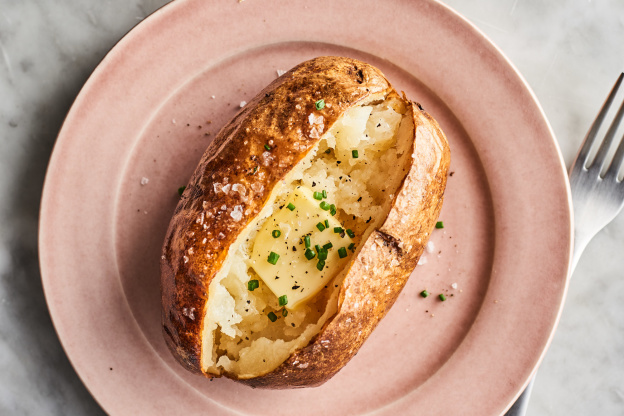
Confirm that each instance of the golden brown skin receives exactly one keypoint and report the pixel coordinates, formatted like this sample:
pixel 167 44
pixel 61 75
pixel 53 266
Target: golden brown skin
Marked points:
pixel 279 116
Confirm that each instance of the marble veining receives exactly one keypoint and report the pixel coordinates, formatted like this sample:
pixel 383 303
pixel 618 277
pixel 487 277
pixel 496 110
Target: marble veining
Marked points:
pixel 569 51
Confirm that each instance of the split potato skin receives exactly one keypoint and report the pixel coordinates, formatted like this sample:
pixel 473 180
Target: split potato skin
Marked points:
pixel 278 117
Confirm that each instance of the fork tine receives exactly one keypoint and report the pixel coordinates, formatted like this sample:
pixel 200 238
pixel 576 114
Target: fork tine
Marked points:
pixel 593 130
pixel 601 156
pixel 618 160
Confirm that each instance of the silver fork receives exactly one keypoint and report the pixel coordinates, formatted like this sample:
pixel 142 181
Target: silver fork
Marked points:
pixel 596 198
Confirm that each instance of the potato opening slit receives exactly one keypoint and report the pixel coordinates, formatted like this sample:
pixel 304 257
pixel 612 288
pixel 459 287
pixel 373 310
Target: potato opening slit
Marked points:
pixel 360 162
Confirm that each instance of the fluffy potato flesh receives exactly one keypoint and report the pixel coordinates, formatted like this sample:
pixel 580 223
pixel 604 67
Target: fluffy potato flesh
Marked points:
pixel 359 162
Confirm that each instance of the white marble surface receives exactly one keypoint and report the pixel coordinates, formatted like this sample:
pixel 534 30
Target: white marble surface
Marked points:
pixel 569 51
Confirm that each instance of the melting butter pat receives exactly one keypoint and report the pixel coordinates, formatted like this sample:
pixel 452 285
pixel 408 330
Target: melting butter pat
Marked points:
pixel 293 274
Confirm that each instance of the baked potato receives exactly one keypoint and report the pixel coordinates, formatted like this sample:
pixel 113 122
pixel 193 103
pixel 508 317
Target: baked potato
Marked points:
pixel 300 226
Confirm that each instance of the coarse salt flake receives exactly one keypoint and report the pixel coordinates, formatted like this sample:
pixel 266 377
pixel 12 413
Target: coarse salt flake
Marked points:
pixel 430 247
pixel 266 158
pixel 237 213
pixel 189 313
pixel 454 285
pixel 144 181
pixel 223 207
pixel 226 188
pixel 242 104
pixel 422 260
pixel 280 72
pixel 186 259
pixel 218 187
pixel 314 119
pixel 237 187
pixel 257 187
pixel 314 133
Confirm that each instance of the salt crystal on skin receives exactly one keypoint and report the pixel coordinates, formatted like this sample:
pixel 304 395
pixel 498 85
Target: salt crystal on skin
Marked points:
pixel 280 72
pixel 237 187
pixel 422 260
pixel 237 213
pixel 266 158
pixel 144 181
pixel 189 313
pixel 314 133
pixel 242 104
pixel 454 285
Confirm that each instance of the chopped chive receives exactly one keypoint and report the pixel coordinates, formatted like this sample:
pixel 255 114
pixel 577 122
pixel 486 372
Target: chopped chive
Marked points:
pixel 290 206
pixel 284 313
pixel 276 233
pixel 272 316
pixel 317 248
pixel 322 255
pixel 306 241
pixel 355 154
pixel 328 246
pixel 324 193
pixel 328 151
pixel 253 284
pixel 324 206
pixel 255 169
pixel 318 196
pixel 273 257
pixel 267 147
pixel 439 224
pixel 350 233
pixel 310 254
pixel 181 190
pixel 320 226
pixel 338 230
pixel 424 293
pixel 342 252
pixel 442 297
pixel 332 209
pixel 351 246
pixel 283 300
pixel 320 265
pixel 326 224
pixel 320 104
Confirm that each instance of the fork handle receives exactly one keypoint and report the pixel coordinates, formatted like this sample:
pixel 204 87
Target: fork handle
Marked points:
pixel 519 408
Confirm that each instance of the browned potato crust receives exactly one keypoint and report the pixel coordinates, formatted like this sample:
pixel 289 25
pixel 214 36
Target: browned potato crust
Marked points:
pixel 381 265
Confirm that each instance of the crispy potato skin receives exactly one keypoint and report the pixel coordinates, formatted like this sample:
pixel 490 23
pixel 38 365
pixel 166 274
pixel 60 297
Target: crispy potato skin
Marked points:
pixel 279 115
pixel 201 231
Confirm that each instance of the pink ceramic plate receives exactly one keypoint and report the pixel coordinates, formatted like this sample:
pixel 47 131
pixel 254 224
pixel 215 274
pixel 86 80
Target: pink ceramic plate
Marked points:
pixel 143 120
